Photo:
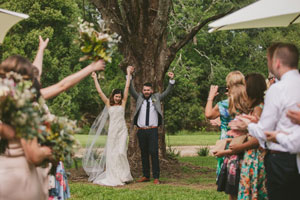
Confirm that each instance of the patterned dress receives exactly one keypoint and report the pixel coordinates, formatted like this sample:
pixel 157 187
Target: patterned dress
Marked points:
pixel 253 175
pixel 225 119
pixel 59 184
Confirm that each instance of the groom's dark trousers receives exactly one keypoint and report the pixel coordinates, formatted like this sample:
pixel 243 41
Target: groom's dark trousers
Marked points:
pixel 148 141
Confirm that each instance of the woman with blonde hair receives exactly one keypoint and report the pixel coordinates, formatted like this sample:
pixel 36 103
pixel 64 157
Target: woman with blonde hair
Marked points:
pixel 228 180
pixel 221 108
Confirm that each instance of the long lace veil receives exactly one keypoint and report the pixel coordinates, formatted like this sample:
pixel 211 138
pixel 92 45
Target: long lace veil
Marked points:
pixel 94 158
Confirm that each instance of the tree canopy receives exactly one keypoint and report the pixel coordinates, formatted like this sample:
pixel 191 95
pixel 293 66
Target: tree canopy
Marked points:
pixel 204 60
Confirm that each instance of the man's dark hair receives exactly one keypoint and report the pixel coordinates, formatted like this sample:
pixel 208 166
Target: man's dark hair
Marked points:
pixel 271 49
pixel 148 84
pixel 288 54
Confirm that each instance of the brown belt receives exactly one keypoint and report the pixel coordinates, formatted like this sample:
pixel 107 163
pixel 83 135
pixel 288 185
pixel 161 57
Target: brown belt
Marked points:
pixel 145 128
pixel 276 152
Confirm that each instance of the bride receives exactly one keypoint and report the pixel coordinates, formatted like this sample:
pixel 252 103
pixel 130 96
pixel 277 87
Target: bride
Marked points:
pixel 110 167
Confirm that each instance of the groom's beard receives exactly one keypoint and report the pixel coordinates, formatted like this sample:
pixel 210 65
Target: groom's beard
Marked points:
pixel 147 97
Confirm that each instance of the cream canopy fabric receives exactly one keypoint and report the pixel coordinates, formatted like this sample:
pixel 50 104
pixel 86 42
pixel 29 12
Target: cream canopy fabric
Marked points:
pixel 263 13
pixel 7 20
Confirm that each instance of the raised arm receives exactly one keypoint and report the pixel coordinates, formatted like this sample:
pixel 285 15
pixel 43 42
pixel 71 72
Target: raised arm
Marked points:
pixel 170 86
pixel 128 78
pixel 38 61
pixel 133 92
pixel 71 80
pixel 99 90
pixel 210 111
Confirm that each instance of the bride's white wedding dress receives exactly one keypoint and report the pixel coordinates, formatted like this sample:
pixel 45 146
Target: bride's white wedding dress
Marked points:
pixel 117 170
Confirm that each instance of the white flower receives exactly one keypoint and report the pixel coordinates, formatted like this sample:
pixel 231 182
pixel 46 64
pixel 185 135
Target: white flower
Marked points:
pixel 4 90
pixel 20 103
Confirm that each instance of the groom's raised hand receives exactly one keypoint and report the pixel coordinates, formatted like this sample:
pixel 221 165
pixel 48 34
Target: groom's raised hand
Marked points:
pixel 130 70
pixel 171 75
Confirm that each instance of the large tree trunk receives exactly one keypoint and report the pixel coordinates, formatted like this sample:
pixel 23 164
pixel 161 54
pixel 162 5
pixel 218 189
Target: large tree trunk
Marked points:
pixel 143 27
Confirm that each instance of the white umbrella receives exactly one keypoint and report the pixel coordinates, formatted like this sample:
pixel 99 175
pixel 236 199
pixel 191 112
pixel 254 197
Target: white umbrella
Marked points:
pixel 263 13
pixel 7 20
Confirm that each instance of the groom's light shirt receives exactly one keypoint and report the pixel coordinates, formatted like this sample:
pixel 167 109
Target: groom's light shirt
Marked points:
pixel 281 97
pixel 153 118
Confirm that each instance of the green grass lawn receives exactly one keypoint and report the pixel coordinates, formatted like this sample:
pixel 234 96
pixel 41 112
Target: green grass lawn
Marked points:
pixel 82 191
pixel 173 140
pixel 197 182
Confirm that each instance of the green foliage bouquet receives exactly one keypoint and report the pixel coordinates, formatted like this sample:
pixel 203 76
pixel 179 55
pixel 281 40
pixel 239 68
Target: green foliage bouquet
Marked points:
pixel 96 45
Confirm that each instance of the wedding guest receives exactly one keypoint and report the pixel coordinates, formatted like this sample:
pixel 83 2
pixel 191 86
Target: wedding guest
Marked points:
pixel 18 164
pixel 270 52
pixel 283 179
pixel 289 141
pixel 58 183
pixel 221 108
pixel 252 178
pixel 228 180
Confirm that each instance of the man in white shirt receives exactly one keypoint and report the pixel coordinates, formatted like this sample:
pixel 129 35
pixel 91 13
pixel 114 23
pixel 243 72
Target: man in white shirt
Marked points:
pixel 147 117
pixel 289 141
pixel 283 179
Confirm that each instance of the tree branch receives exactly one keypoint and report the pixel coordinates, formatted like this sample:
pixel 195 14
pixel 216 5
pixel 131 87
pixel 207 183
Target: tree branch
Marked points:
pixel 175 47
pixel 111 13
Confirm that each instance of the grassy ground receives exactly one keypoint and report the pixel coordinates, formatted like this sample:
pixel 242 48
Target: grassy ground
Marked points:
pixel 196 180
pixel 197 138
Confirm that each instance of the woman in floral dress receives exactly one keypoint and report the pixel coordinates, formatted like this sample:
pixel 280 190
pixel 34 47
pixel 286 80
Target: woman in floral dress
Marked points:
pixel 253 175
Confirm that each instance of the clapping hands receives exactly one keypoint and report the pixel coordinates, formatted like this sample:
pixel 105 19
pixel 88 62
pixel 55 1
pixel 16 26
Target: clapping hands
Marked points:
pixel 241 122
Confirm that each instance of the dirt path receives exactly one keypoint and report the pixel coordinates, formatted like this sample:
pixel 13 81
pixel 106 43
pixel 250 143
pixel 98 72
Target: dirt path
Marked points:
pixel 184 151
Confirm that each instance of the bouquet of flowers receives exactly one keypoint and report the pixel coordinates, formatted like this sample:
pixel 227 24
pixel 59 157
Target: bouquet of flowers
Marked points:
pixel 17 107
pixel 20 108
pixel 96 45
pixel 58 133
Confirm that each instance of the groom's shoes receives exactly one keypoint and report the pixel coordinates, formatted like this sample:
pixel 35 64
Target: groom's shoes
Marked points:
pixel 143 179
pixel 156 181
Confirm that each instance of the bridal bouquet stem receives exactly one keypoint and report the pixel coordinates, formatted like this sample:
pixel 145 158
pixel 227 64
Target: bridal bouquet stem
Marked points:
pixel 96 44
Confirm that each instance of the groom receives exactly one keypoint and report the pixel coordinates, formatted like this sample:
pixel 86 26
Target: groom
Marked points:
pixel 147 117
